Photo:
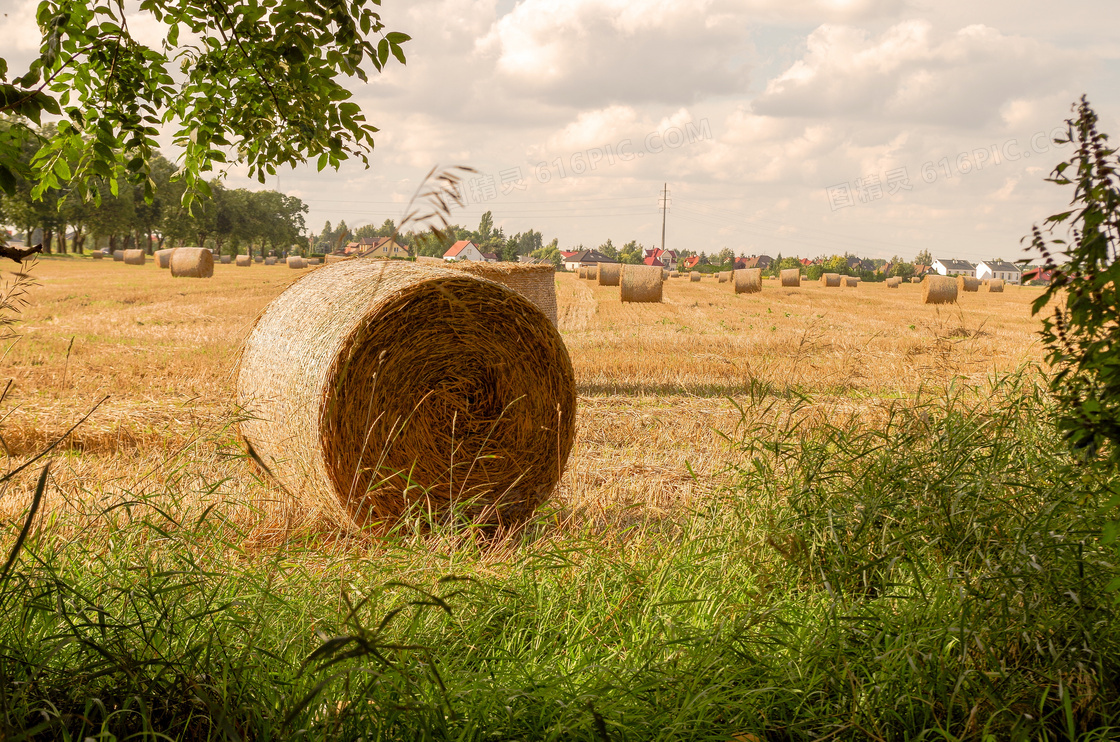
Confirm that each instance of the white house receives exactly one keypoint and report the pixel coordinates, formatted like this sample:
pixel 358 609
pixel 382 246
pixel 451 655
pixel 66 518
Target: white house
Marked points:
pixel 999 269
pixel 573 261
pixel 464 250
pixel 954 267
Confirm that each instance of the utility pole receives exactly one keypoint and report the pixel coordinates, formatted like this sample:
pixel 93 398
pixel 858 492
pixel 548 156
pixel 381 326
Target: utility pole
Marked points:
pixel 664 206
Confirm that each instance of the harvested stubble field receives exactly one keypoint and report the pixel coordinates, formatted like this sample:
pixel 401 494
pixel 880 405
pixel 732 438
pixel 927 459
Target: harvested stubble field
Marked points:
pixel 659 384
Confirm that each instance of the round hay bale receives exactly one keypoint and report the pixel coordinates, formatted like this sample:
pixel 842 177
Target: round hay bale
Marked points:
pixel 915 279
pixel 610 274
pixel 893 282
pixel 582 272
pixel 118 256
pixel 592 273
pixel 748 280
pixel 674 274
pixel 225 260
pixel 693 276
pixel 244 261
pixel 192 262
pixel 258 259
pixel 724 276
pixel 830 280
pixel 537 283
pixel 851 282
pixel 939 290
pixel 640 284
pixel 995 286
pixel 419 259
pixel 134 257
pixel 270 261
pixel 968 283
pixel 374 387
pixel 312 261
pixel 664 275
pixel 97 255
pixel 163 257
pixel 791 276
pixel 296 261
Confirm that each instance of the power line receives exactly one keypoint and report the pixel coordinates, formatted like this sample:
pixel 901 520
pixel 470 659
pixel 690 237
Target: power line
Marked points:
pixel 664 206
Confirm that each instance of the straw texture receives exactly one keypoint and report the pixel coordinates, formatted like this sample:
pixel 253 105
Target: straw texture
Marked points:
pixel 939 290
pixel 640 284
pixel 915 279
pixel 610 274
pixel 270 261
pixel 724 276
pixel 296 261
pixel 851 282
pixel 694 276
pixel 968 283
pixel 583 271
pixel 340 258
pixel 163 257
pixel 373 386
pixel 244 261
pixel 192 262
pixel 674 274
pixel 133 257
pixel 748 280
pixel 791 276
pixel 995 286
pixel 592 273
pixel 536 282
pixel 893 282
pixel 830 280
pixel 118 256
pixel 420 259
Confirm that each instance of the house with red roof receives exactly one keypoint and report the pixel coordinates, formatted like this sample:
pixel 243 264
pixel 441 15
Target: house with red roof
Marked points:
pixel 690 263
pixel 464 250
pixel 653 261
pixel 668 258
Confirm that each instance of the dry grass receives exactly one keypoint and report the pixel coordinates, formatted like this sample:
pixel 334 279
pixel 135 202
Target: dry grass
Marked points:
pixel 654 381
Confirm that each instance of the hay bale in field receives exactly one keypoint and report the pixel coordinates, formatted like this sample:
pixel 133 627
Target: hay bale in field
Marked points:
pixel 340 258
pixel 674 274
pixel 640 284
pixel 893 282
pixel 582 271
pixel 968 283
pixel 258 259
pixel 536 282
pixel 851 282
pixel 830 280
pixel 724 276
pixel 939 290
pixel 192 262
pixel 748 280
pixel 610 274
pixel 791 276
pixel 420 259
pixel 118 256
pixel 373 387
pixel 270 261
pixel 592 273
pixel 313 261
pixel 295 261
pixel 915 279
pixel 97 255
pixel 995 286
pixel 694 276
pixel 163 257
pixel 244 261
pixel 134 257
pixel 664 275
pixel 225 260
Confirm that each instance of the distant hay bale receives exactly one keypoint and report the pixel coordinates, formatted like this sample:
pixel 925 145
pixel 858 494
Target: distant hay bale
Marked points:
pixel 372 388
pixel 583 271
pixel 748 280
pixel 134 257
pixel 640 284
pixel 724 276
pixel 425 259
pixel 939 289
pixel 244 261
pixel 270 261
pixel 674 274
pixel 536 282
pixel 295 261
pixel 258 259
pixel 791 276
pixel 97 255
pixel 118 256
pixel 915 279
pixel 192 262
pixel 225 260
pixel 830 280
pixel 592 273
pixel 313 261
pixel 995 286
pixel 851 282
pixel 340 258
pixel 694 276
pixel 610 274
pixel 664 275
pixel 164 257
pixel 893 282
pixel 968 283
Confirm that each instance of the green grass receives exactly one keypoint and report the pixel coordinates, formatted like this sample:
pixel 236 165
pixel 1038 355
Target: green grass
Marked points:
pixel 939 577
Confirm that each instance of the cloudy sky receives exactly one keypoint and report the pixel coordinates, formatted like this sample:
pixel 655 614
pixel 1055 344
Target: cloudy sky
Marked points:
pixel 805 127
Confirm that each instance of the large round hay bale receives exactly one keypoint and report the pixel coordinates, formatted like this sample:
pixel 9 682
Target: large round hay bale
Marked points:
pixel 192 262
pixel 583 271
pixel 244 261
pixel 640 284
pixel 118 256
pixel 592 273
pixel 968 283
pixel 163 257
pixel 893 282
pixel 419 259
pixel 939 290
pixel 270 261
pixel 724 276
pixel 537 283
pixel 830 280
pixel 748 280
pixel 791 276
pixel 610 274
pixel 134 257
pixel 225 260
pixel 851 282
pixel 694 276
pixel 995 286
pixel 375 387
pixel 295 261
